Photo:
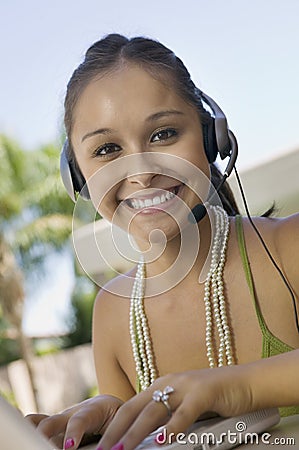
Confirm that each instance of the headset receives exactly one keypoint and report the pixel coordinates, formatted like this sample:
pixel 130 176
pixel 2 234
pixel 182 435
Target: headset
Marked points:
pixel 218 139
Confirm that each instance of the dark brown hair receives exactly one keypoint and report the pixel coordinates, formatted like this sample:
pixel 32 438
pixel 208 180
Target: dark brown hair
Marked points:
pixel 114 50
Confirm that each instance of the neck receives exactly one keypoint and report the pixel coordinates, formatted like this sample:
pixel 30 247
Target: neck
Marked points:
pixel 183 257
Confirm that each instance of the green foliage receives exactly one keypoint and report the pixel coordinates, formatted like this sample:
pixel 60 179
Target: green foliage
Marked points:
pixel 9 397
pixel 9 347
pixel 35 211
pixel 92 392
pixel 12 181
pixel 48 346
pixel 10 350
pixel 82 307
pixel 34 205
pixel 35 219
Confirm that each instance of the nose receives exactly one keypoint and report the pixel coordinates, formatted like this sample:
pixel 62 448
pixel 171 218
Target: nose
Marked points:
pixel 143 179
pixel 142 169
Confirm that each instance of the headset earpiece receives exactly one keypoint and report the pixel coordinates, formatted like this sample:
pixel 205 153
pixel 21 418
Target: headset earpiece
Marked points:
pixel 209 138
pixel 216 133
pixel 71 175
pixel 217 139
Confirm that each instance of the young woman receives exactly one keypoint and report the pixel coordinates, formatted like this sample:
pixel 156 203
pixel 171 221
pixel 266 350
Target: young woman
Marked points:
pixel 202 296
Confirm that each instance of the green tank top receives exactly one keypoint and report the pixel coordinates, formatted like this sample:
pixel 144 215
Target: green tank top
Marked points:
pixel 272 345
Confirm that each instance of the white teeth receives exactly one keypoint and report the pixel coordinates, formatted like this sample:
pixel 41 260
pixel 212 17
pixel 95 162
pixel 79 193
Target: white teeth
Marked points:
pixel 169 195
pixel 148 202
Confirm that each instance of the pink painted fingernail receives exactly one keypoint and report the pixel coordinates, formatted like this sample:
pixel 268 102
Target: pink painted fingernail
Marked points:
pixel 69 443
pixel 99 448
pixel 118 446
pixel 159 439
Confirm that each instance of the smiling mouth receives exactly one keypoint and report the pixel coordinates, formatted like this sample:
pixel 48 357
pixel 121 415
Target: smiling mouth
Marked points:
pixel 153 200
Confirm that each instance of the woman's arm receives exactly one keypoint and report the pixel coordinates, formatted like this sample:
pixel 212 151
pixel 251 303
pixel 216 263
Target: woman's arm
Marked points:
pixel 274 381
pixel 227 391
pixel 107 340
pixel 94 415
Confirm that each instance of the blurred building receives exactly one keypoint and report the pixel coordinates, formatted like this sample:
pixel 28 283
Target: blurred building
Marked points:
pixel 276 180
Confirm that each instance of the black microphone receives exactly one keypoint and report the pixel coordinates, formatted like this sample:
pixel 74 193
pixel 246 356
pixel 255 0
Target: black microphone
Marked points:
pixel 199 211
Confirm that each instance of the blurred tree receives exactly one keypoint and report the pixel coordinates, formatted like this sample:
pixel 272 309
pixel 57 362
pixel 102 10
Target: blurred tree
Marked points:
pixel 35 218
pixel 10 350
pixel 80 322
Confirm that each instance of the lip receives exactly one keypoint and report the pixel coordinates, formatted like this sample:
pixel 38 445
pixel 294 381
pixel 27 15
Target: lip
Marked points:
pixel 167 197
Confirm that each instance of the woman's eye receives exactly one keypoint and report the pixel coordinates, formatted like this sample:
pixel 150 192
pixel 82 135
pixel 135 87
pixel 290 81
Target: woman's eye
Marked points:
pixel 107 150
pixel 163 135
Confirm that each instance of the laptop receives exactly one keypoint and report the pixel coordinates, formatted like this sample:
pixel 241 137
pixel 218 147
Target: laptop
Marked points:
pixel 17 433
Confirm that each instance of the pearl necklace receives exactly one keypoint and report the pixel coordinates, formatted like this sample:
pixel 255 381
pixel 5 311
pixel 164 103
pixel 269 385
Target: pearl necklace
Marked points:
pixel 139 332
pixel 215 309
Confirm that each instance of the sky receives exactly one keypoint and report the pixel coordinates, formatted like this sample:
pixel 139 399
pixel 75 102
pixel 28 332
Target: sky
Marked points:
pixel 244 54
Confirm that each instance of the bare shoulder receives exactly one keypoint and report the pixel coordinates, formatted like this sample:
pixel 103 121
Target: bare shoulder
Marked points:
pixel 287 243
pixel 281 236
pixel 114 296
pixel 111 336
pixel 110 318
pixel 287 232
pixel 279 232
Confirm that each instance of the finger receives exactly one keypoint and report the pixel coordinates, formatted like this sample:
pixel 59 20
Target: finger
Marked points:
pixel 153 416
pixel 183 417
pixel 35 419
pixel 123 419
pixel 53 426
pixel 91 419
pixel 85 421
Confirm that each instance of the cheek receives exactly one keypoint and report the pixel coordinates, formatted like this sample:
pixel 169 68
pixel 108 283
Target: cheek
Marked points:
pixel 199 159
pixel 106 208
pixel 199 183
pixel 103 198
pixel 194 152
pixel 201 175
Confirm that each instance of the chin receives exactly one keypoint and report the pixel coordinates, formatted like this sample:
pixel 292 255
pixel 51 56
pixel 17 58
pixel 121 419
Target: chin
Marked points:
pixel 155 233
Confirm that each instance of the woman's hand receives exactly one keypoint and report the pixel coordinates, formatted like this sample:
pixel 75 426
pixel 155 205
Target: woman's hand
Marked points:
pixel 222 391
pixel 92 416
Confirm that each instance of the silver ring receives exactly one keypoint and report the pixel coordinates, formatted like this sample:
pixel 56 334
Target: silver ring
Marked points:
pixel 162 396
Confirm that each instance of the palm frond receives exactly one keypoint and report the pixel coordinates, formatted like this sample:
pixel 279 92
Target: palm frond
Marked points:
pixel 53 230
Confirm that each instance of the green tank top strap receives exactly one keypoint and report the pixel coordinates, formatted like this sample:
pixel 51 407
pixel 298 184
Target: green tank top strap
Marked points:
pixel 271 344
pixel 247 270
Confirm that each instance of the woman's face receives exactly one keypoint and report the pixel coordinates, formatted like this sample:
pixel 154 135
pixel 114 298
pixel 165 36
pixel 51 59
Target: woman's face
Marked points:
pixel 128 112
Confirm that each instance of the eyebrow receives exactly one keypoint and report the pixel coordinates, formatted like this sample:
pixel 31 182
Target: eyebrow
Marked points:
pixel 151 118
pixel 95 132
pixel 162 114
